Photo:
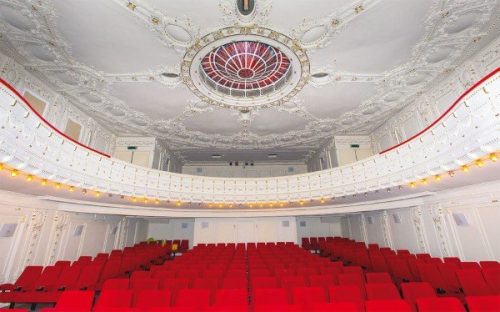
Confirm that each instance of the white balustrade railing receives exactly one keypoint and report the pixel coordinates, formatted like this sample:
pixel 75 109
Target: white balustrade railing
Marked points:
pixel 469 131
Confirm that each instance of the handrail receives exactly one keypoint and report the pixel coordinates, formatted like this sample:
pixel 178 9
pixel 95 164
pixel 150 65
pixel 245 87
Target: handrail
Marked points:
pixel 446 112
pixel 19 95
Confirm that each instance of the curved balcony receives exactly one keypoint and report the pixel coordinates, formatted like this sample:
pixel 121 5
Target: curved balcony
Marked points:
pixel 466 132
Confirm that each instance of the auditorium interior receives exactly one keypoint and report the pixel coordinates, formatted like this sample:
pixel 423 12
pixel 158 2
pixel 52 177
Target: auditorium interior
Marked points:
pixel 250 155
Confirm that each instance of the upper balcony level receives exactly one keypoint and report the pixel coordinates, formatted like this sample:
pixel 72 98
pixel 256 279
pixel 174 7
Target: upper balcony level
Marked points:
pixel 465 134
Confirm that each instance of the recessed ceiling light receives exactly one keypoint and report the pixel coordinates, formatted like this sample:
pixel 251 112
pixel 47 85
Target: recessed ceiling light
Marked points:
pixel 272 155
pixel 216 156
pixel 320 75
pixel 170 75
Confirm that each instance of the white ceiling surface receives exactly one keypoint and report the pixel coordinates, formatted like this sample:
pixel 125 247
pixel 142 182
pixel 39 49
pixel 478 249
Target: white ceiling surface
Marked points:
pixel 109 59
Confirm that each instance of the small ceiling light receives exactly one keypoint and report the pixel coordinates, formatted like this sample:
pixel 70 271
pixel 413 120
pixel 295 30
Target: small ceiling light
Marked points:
pixel 301 202
pixel 282 204
pixel 322 200
pixel 451 173
pixel 479 163
pixel 57 186
pixel 97 194
pixel 44 182
pixel 84 191
pixel 178 203
pixel 157 201
pixel 465 168
pixel 320 75
pixel 29 178
pixel 424 181
pixel 146 201
pixel 216 156
pixel 413 184
pixel 2 166
pixel 492 157
pixel 437 177
pixel 14 173
pixel 71 188
pixel 170 75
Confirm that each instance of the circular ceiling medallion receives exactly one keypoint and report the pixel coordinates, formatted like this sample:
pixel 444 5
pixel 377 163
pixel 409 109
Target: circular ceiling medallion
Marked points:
pixel 245 67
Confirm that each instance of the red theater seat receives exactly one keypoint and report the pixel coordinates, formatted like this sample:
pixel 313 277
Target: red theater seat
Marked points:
pixel 116 283
pixel 448 304
pixel 380 277
pixel 349 293
pixel 152 298
pixel 26 280
pixel 483 303
pixel 231 299
pixel 234 282
pixel 382 291
pixel 387 305
pixel 114 300
pixel 192 299
pixel 414 291
pixel 308 295
pixel 73 300
pixel 473 283
pixel 269 297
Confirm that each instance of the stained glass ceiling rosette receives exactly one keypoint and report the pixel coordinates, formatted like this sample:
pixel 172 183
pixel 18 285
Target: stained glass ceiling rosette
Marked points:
pixel 245 69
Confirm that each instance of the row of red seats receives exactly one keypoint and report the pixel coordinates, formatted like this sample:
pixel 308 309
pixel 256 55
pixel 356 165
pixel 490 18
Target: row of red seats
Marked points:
pixel 45 285
pixel 448 276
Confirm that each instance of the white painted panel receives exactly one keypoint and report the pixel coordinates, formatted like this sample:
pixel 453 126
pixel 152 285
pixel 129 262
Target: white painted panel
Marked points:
pixel 490 218
pixel 403 233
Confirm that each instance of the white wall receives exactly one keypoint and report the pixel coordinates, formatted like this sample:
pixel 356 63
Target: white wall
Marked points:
pixel 45 234
pixel 236 230
pixel 259 169
pixel 175 228
pixel 318 226
pixel 432 227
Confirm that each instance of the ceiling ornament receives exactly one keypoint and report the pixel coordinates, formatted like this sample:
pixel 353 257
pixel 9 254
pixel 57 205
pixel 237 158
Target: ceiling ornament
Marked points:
pixel 218 86
pixel 258 16
pixel 315 34
pixel 176 32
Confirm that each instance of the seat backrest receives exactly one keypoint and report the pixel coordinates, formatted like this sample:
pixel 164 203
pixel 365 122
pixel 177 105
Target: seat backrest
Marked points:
pixel 68 277
pixel 205 283
pixel 89 276
pixel 263 282
pixel 289 281
pixel 140 275
pixel 448 304
pixel 483 303
pixel 192 298
pixel 324 280
pixel 492 278
pixel 49 277
pixel 75 300
pixel 270 296
pixel 234 282
pixel 470 266
pixel 387 305
pixel 152 298
pixel 350 293
pixel 490 264
pixel 231 297
pixel 144 283
pixel 116 283
pixel 308 295
pixel 350 279
pixel 114 298
pixel 473 283
pixel 382 291
pixel 413 291
pixel 174 283
pixel 379 277
pixel 29 277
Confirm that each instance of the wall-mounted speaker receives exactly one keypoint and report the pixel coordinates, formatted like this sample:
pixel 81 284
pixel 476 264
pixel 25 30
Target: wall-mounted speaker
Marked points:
pixel 396 218
pixel 78 230
pixel 8 229
pixel 184 225
pixel 302 223
pixel 285 223
pixel 460 219
pixel 204 225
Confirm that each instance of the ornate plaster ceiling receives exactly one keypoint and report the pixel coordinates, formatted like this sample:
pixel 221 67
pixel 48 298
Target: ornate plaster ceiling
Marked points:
pixel 122 61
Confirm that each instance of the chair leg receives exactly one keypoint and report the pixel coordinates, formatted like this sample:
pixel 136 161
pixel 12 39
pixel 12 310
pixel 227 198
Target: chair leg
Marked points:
pixel 12 305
